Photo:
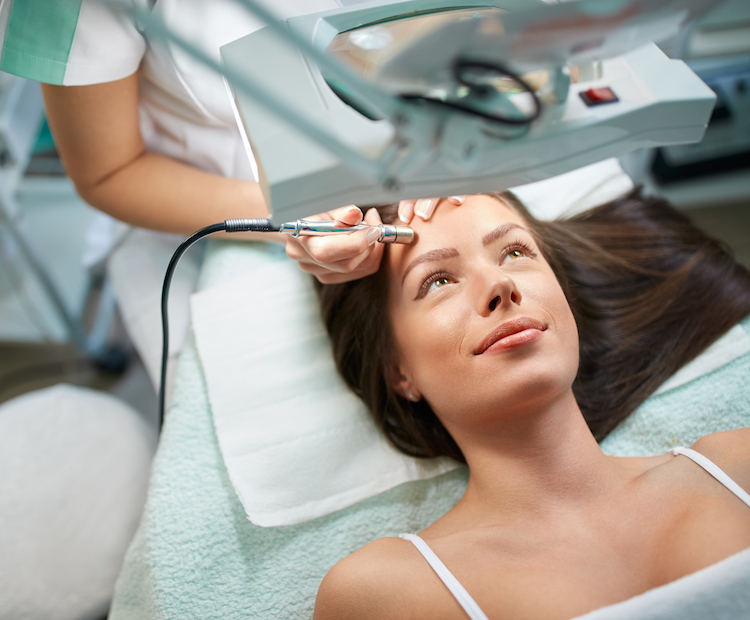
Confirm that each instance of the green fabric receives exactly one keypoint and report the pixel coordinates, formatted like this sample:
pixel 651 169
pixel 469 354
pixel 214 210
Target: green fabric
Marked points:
pixel 39 37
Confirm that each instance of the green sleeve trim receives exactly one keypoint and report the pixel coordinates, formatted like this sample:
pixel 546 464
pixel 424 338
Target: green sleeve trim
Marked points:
pixel 39 37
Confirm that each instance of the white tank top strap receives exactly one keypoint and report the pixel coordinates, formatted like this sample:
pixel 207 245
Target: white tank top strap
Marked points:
pixel 713 469
pixel 462 596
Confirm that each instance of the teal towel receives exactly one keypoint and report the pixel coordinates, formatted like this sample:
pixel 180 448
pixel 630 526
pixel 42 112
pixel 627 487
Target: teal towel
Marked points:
pixel 719 400
pixel 195 554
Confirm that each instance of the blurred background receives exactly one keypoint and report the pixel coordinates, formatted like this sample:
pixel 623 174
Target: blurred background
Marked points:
pixel 36 345
pixel 60 322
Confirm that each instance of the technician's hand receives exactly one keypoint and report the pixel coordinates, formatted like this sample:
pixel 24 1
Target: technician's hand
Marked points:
pixel 424 207
pixel 339 258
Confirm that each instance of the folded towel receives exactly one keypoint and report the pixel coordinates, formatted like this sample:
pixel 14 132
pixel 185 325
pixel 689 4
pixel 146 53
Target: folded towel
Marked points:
pixel 719 592
pixel 297 443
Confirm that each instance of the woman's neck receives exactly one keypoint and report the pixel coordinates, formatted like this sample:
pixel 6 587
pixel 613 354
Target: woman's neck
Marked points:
pixel 544 463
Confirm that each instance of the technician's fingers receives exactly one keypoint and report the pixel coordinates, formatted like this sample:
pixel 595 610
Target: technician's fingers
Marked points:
pixel 359 266
pixel 366 261
pixel 339 258
pixel 406 210
pixel 424 207
pixel 303 249
pixel 350 214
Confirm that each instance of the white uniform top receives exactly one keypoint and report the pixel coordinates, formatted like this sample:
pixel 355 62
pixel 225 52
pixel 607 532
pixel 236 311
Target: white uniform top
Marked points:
pixel 184 106
pixel 185 113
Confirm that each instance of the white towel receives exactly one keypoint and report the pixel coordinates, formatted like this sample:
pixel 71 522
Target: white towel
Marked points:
pixel 296 442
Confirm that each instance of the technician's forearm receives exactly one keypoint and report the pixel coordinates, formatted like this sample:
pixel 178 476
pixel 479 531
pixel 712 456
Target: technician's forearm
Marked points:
pixel 156 192
pixel 97 133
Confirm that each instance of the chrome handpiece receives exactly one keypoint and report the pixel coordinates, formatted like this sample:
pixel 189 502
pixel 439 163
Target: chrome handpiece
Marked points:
pixel 388 232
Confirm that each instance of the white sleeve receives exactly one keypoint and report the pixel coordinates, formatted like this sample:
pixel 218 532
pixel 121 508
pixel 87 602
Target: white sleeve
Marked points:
pixel 107 44
pixel 72 43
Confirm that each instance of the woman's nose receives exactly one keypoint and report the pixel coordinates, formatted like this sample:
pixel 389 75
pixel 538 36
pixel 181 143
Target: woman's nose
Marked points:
pixel 497 292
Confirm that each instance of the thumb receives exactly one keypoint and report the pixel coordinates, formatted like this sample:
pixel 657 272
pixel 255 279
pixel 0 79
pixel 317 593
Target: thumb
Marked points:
pixel 349 215
pixel 372 217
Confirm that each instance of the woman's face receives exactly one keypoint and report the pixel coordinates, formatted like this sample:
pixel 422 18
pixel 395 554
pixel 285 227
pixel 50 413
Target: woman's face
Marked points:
pixel 481 324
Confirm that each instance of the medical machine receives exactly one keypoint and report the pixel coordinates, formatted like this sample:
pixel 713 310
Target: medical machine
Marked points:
pixel 378 102
pixel 717 48
pixel 382 101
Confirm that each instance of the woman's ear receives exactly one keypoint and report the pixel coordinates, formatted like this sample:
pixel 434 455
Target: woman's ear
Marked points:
pixel 402 384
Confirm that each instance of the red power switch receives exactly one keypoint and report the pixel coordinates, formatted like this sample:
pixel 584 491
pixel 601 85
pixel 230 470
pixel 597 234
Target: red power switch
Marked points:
pixel 598 96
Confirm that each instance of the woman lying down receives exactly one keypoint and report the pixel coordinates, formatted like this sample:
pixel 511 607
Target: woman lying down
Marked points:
pixel 513 345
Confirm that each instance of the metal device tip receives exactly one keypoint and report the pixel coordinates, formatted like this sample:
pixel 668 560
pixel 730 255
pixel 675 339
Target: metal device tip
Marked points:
pixel 404 234
pixel 396 234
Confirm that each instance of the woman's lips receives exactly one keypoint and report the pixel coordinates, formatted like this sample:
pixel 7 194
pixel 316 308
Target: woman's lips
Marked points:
pixel 522 330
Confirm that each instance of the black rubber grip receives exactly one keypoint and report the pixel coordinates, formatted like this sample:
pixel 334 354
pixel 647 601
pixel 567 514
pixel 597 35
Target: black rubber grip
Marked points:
pixel 250 225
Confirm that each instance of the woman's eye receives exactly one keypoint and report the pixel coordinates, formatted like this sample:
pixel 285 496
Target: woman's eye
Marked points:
pixel 440 282
pixel 433 283
pixel 514 253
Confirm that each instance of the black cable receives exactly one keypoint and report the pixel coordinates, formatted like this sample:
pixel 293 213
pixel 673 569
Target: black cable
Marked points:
pixel 229 226
pixel 462 65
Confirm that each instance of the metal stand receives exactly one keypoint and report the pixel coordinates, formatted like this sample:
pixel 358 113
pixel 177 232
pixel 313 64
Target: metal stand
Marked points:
pixel 21 115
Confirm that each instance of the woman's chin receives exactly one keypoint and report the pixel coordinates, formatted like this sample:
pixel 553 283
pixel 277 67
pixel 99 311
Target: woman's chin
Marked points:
pixel 500 401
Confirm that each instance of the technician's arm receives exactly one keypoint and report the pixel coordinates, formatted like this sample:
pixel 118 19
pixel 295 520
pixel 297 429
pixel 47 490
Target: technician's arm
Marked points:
pixel 97 133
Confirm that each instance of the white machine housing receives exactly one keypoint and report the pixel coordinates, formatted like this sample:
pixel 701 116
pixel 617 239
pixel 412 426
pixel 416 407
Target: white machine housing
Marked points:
pixel 660 102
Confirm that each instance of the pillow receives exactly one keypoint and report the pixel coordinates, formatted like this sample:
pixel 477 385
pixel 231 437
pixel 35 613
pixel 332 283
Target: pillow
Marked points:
pixel 297 443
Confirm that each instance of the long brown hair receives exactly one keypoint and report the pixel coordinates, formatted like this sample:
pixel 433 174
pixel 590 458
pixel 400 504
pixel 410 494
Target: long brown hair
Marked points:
pixel 649 291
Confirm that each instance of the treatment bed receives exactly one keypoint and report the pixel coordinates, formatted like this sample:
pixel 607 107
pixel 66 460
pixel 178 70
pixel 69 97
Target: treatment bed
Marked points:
pixel 258 488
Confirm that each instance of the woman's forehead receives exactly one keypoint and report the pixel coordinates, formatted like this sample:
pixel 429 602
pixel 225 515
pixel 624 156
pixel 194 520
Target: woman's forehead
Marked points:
pixel 450 225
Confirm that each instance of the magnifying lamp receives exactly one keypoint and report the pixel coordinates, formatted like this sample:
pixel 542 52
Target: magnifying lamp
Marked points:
pixel 383 101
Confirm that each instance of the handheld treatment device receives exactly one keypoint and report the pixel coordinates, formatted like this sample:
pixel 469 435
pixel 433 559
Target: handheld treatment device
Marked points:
pixel 388 232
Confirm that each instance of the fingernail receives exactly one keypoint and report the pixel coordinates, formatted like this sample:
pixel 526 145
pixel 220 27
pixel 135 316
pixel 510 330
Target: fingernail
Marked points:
pixel 424 209
pixel 405 211
pixel 373 235
pixel 458 199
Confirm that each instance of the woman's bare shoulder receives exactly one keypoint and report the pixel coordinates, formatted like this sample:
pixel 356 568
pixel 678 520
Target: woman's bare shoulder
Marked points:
pixel 371 582
pixel 730 450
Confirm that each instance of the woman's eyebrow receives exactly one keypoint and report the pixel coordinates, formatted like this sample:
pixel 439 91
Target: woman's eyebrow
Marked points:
pixel 500 231
pixel 432 255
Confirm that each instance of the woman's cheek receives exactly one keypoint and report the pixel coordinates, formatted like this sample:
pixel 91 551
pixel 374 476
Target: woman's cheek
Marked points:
pixel 553 301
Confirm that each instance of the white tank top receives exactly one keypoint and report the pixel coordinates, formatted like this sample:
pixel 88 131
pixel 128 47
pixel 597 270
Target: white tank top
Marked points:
pixel 470 606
